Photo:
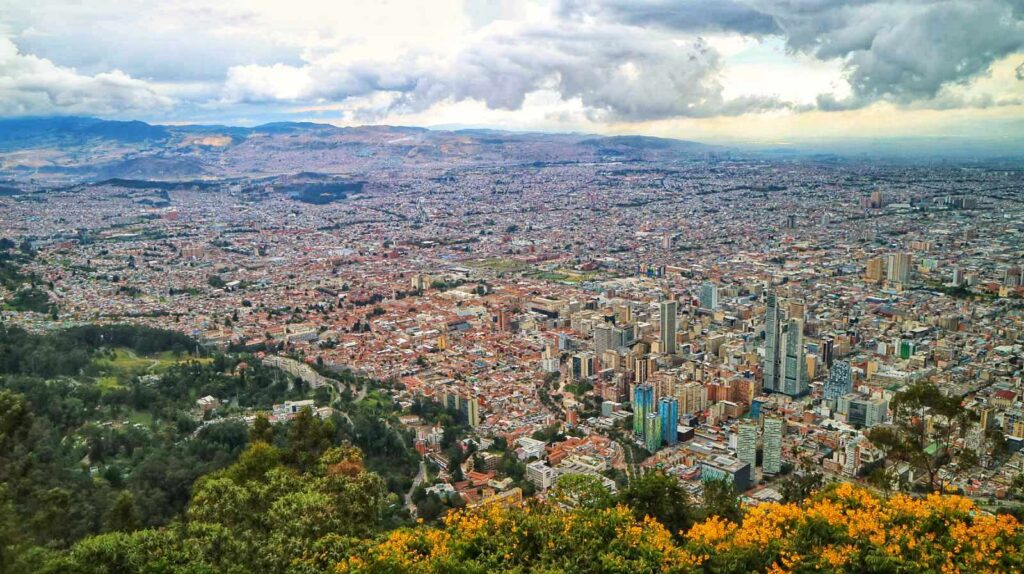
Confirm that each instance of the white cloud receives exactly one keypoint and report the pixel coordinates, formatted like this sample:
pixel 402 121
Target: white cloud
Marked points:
pixel 30 85
pixel 592 63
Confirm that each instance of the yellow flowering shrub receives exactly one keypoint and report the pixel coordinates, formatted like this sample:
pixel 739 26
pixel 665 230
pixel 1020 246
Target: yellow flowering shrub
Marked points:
pixel 841 529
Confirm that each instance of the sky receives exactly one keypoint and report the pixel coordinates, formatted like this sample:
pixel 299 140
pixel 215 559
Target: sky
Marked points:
pixel 710 70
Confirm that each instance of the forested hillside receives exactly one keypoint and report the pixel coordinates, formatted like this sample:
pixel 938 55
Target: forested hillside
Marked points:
pixel 100 432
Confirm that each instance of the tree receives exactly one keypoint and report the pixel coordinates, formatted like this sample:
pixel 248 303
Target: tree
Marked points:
pixel 720 500
pixel 581 491
pixel 800 485
pixel 661 497
pixel 262 430
pixel 909 438
pixel 308 438
pixel 123 516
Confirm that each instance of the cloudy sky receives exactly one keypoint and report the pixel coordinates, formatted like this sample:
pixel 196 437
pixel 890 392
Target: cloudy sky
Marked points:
pixel 754 70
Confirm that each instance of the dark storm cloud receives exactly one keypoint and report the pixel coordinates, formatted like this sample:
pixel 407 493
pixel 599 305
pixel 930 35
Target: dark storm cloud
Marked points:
pixel 898 50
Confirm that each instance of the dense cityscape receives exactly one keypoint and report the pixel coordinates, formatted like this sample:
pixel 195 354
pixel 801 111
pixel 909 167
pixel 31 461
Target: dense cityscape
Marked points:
pixel 512 286
pixel 714 318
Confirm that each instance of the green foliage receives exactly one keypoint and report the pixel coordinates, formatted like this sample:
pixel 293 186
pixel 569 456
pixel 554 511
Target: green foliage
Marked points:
pixel 660 497
pixel 720 500
pixel 910 439
pixel 258 515
pixel 581 491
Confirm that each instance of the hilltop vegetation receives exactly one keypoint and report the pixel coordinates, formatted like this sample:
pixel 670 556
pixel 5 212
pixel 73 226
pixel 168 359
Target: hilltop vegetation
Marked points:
pixel 841 529
pixel 106 467
pixel 100 433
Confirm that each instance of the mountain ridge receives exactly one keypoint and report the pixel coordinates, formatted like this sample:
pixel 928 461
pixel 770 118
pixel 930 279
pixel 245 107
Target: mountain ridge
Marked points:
pixel 70 149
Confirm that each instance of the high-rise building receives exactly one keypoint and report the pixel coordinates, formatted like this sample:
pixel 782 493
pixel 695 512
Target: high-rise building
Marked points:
pixel 840 381
pixel 957 278
pixel 898 268
pixel 794 363
pixel 772 448
pixel 865 412
pixel 875 270
pixel 709 296
pixel 643 403
pixel 602 338
pixel 772 340
pixel 668 410
pixel 652 431
pixel 746 445
pixel 668 327
pixel 582 365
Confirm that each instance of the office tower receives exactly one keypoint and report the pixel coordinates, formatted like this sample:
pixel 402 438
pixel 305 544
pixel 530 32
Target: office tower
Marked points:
pixel 772 448
pixel 652 431
pixel 794 363
pixel 906 348
pixel 791 221
pixel 898 270
pixel 668 410
pixel 643 404
pixel 602 338
pixel 470 409
pixel 641 369
pixel 772 340
pixel 840 381
pixel 746 445
pixel 668 327
pixel 958 277
pixel 863 411
pixel 709 296
pixel 874 271
pixel 582 365
pixel 828 351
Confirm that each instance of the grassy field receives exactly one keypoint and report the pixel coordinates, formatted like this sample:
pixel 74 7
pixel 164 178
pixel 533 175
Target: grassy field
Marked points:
pixel 117 367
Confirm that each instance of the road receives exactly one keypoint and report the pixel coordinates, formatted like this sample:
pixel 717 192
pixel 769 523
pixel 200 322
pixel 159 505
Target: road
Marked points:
pixel 418 480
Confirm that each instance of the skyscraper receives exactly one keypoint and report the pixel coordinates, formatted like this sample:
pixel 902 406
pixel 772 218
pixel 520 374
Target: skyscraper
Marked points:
pixel 772 455
pixel 709 296
pixel 840 381
pixel 668 410
pixel 898 268
pixel 668 327
pixel 772 332
pixel 643 403
pixel 794 364
pixel 746 445
pixel 652 431
pixel 874 271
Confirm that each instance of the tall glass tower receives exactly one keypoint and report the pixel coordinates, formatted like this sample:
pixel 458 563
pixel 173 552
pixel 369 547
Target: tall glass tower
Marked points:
pixel 773 332
pixel 668 327
pixel 668 411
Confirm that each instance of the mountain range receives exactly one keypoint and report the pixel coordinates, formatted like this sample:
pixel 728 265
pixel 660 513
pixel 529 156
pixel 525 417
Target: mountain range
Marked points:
pixel 71 149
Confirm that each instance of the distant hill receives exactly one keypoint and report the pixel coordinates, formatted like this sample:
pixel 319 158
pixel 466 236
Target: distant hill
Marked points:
pixel 32 132
pixel 75 149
